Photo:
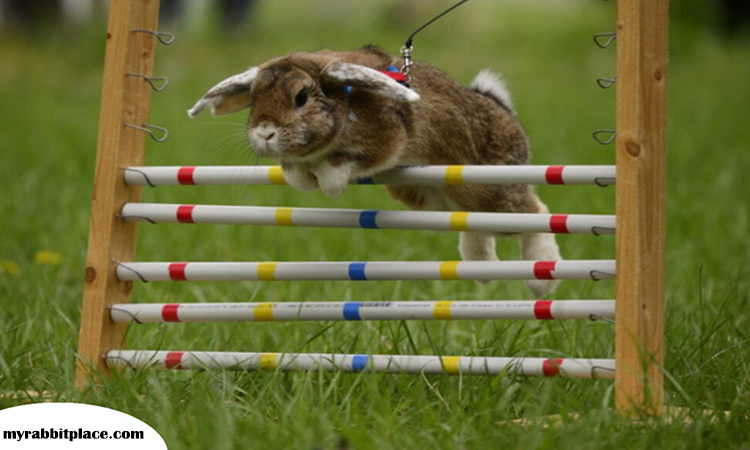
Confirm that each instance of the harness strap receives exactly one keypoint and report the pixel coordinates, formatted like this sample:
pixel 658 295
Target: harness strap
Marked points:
pixel 393 73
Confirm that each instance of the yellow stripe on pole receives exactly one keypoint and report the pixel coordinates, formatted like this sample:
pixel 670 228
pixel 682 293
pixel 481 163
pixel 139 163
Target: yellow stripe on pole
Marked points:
pixel 276 176
pixel 263 312
pixel 450 364
pixel 284 216
pixel 267 271
pixel 459 221
pixel 268 360
pixel 449 270
pixel 442 310
pixel 454 175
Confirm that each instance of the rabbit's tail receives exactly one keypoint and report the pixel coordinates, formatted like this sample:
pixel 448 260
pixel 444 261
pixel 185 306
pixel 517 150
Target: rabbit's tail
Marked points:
pixel 490 85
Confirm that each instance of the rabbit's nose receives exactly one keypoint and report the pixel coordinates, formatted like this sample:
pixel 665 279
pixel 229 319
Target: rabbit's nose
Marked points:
pixel 267 135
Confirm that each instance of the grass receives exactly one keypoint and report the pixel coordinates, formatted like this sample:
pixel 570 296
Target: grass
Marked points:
pixel 50 90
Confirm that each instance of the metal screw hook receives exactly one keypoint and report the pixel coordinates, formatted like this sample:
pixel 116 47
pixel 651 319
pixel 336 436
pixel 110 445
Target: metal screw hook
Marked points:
pixel 601 276
pixel 148 128
pixel 127 361
pixel 164 37
pixel 143 218
pixel 604 181
pixel 612 135
pixel 142 173
pixel 595 317
pixel 604 40
pixel 606 83
pixel 133 317
pixel 594 368
pixel 119 264
pixel 598 231
pixel 157 88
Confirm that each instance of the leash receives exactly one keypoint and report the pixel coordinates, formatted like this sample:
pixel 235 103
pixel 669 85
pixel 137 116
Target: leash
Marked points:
pixel 406 50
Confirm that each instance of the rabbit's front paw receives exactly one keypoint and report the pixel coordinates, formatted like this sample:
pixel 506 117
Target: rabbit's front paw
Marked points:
pixel 333 180
pixel 300 178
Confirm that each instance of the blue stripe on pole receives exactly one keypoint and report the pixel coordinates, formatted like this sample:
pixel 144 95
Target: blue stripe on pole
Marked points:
pixel 357 271
pixel 351 310
pixel 367 180
pixel 359 363
pixel 367 218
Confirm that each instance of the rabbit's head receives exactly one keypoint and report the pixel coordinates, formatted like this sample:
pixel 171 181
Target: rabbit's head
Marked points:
pixel 299 103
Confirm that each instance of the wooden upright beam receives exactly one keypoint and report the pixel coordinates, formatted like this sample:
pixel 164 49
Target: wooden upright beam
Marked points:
pixel 125 100
pixel 642 41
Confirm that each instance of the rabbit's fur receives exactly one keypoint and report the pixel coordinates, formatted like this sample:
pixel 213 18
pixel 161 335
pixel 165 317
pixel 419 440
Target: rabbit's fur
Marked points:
pixel 330 117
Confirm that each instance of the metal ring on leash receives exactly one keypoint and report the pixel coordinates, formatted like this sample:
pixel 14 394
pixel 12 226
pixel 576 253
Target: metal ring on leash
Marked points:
pixel 164 37
pixel 406 55
pixel 148 128
pixel 157 88
pixel 606 141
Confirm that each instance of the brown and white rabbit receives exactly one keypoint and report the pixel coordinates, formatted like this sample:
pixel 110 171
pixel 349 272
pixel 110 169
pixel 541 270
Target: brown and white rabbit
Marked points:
pixel 330 117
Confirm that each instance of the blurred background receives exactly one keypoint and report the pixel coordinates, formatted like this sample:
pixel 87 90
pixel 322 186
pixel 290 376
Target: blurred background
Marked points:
pixel 725 16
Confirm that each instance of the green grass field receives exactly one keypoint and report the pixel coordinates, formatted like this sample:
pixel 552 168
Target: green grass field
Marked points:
pixel 50 87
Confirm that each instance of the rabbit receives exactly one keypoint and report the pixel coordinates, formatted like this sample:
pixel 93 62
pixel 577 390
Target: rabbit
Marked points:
pixel 330 117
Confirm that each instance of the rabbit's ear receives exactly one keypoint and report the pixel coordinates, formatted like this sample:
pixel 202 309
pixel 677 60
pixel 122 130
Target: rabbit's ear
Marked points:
pixel 368 79
pixel 231 95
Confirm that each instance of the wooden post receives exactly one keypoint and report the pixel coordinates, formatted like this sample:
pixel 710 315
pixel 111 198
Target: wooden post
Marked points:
pixel 642 41
pixel 125 99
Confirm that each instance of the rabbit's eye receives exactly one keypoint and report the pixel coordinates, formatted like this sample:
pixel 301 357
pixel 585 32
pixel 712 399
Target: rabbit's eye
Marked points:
pixel 300 99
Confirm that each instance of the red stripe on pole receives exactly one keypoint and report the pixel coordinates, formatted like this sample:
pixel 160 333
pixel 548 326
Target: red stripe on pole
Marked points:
pixel 558 223
pixel 554 175
pixel 177 271
pixel 173 360
pixel 169 312
pixel 543 270
pixel 551 367
pixel 185 213
pixel 185 175
pixel 543 309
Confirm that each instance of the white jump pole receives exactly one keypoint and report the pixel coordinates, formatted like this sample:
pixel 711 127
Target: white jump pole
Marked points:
pixel 377 219
pixel 449 365
pixel 395 310
pixel 357 271
pixel 215 175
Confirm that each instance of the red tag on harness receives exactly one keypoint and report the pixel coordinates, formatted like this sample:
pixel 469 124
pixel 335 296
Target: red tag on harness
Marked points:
pixel 397 76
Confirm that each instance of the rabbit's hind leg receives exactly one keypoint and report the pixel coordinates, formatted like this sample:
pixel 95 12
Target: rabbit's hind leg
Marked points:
pixel 540 247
